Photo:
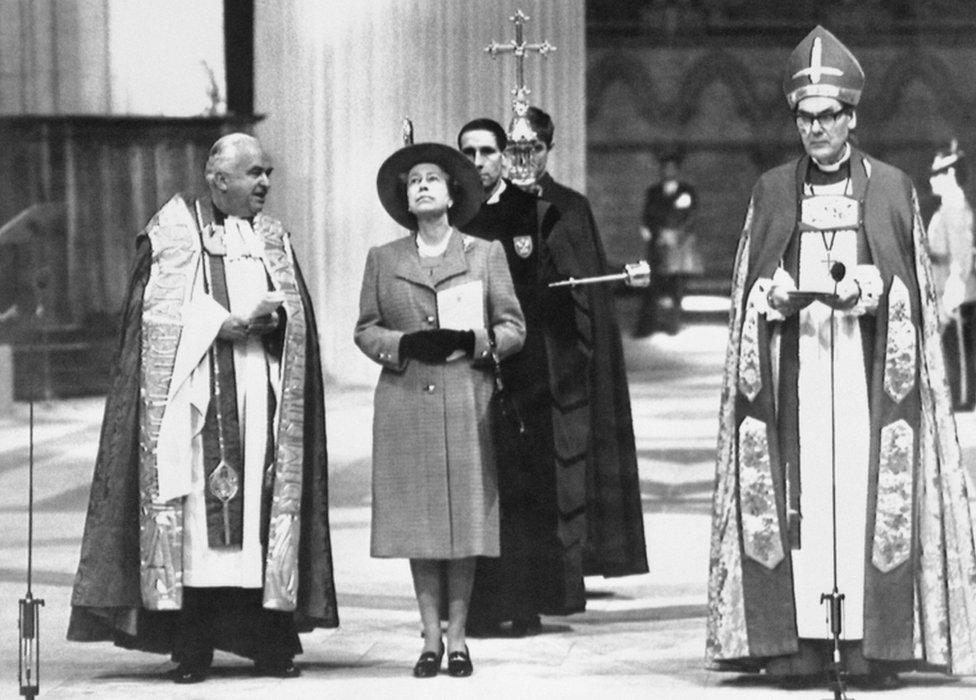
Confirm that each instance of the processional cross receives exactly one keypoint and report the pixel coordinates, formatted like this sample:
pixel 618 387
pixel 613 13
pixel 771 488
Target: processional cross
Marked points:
pixel 521 134
pixel 518 47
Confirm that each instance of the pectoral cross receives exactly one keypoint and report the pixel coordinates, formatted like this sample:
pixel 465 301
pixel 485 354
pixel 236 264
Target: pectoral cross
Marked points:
pixel 518 47
pixel 828 260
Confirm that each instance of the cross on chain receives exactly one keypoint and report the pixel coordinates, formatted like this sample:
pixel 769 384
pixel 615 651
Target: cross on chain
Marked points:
pixel 828 261
pixel 518 47
pixel 836 269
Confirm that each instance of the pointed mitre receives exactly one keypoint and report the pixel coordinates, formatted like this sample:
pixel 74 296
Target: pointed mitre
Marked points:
pixel 822 66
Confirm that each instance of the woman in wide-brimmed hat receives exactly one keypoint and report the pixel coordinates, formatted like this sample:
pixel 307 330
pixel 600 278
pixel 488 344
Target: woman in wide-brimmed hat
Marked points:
pixel 432 305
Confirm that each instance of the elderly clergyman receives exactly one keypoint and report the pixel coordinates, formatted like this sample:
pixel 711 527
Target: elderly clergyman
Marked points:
pixel 834 364
pixel 208 525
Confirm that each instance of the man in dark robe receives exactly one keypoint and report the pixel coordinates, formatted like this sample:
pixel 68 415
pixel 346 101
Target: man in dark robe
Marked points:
pixel 535 572
pixel 835 388
pixel 614 519
pixel 208 525
pixel 546 487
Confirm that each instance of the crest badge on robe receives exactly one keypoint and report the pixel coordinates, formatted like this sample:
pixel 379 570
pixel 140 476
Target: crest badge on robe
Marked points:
pixel 523 246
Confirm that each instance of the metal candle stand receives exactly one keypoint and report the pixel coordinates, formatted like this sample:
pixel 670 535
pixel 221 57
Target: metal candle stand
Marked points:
pixel 29 656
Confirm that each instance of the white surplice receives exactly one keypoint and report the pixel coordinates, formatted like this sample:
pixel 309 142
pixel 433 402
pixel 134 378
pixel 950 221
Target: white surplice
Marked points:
pixel 206 566
pixel 813 562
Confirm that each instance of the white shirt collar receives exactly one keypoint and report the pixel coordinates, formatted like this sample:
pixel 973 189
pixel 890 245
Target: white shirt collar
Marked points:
pixel 834 167
pixel 496 195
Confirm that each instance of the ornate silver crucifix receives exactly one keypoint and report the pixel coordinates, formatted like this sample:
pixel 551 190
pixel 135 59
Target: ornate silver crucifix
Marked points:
pixel 521 135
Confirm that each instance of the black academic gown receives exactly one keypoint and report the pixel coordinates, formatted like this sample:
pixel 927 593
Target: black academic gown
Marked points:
pixel 614 519
pixel 536 572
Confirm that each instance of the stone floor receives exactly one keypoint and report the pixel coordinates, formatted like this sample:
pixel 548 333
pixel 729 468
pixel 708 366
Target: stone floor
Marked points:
pixel 641 636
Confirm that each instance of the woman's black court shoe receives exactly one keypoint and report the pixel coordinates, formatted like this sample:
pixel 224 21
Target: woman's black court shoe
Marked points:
pixel 429 663
pixel 459 663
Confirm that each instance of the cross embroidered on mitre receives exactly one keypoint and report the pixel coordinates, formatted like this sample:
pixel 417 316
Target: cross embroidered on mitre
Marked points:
pixel 816 68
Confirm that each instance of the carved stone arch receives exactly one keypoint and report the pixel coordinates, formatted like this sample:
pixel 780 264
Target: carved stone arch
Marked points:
pixel 723 67
pixel 620 67
pixel 926 68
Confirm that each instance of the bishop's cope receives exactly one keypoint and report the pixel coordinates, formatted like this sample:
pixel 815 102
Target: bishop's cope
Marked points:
pixel 207 525
pixel 834 388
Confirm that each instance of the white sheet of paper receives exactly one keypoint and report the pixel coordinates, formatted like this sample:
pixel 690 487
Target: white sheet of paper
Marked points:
pixel 262 305
pixel 462 307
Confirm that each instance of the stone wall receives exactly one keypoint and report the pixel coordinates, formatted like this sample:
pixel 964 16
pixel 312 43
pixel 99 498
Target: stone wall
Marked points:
pixel 722 106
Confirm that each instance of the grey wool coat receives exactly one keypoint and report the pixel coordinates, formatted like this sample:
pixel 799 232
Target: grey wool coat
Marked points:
pixel 435 493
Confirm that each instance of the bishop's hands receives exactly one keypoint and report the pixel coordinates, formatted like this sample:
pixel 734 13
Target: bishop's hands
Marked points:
pixel 786 300
pixel 846 295
pixel 436 345
pixel 782 299
pixel 234 328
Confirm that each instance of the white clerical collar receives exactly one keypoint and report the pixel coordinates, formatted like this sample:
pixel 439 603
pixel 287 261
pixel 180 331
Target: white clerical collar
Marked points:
pixel 432 250
pixel 496 195
pixel 834 167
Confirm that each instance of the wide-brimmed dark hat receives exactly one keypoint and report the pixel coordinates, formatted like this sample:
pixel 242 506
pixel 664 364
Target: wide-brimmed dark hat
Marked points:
pixel 391 182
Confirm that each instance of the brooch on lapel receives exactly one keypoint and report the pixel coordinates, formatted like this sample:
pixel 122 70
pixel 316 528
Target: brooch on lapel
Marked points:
pixel 523 246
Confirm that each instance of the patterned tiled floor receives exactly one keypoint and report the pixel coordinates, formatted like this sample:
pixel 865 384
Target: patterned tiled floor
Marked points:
pixel 641 637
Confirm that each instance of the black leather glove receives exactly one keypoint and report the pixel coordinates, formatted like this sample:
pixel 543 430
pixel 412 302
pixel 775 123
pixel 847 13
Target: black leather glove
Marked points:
pixel 436 345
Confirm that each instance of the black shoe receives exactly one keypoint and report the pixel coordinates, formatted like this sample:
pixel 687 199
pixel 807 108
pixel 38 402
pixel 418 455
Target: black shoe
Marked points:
pixel 186 675
pixel 481 630
pixel 459 663
pixel 277 669
pixel 524 626
pixel 429 663
pixel 802 682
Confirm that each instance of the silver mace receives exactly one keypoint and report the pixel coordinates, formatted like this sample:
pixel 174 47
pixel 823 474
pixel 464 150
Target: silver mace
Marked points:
pixel 636 274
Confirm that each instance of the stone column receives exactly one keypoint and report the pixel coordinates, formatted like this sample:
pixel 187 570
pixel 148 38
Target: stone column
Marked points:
pixel 335 80
pixel 6 379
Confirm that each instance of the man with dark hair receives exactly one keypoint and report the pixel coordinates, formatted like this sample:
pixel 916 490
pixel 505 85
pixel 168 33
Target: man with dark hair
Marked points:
pixel 555 506
pixel 532 575
pixel 838 475
pixel 950 246
pixel 208 522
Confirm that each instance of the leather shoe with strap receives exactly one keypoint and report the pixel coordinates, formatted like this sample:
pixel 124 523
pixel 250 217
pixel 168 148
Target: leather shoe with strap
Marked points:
pixel 429 663
pixel 459 663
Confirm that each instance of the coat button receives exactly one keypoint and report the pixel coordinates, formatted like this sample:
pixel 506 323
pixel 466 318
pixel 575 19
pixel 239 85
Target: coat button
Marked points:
pixel 431 319
pixel 430 388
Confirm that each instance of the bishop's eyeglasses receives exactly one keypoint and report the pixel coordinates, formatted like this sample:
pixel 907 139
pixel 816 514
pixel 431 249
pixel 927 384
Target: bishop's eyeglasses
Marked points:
pixel 826 119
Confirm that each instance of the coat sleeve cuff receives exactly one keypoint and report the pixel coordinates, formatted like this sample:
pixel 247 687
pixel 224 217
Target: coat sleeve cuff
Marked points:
pixel 388 351
pixel 482 346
